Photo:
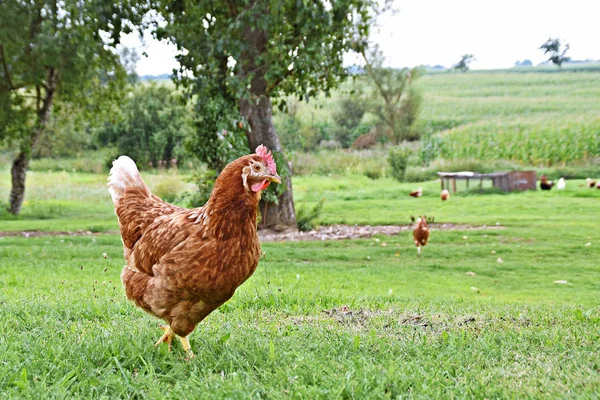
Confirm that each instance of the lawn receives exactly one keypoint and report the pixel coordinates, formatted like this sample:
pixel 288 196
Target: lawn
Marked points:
pixel 341 319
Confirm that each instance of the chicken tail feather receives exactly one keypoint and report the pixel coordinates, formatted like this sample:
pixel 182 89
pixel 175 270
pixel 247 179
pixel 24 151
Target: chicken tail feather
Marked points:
pixel 124 174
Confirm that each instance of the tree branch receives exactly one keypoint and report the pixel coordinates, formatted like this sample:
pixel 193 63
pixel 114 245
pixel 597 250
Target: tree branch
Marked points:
pixel 6 71
pixel 377 83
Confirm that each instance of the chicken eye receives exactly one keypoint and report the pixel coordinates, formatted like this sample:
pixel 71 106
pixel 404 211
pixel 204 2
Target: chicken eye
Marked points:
pixel 256 167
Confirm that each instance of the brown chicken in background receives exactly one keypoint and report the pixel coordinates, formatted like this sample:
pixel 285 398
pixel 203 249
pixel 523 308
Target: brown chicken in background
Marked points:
pixel 182 264
pixel 545 184
pixel 416 193
pixel 421 233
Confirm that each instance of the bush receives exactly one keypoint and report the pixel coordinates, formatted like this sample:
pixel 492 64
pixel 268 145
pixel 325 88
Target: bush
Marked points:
pixel 417 174
pixel 373 173
pixel 398 159
pixel 205 181
pixel 348 118
pixel 168 188
pixel 367 140
pixel 152 127
pixel 306 219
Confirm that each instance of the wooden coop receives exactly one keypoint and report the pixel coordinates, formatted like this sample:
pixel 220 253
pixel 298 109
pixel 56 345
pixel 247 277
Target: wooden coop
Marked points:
pixel 507 181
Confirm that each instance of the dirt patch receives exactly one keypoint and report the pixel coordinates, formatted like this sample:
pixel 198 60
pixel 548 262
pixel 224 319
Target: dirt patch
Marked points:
pixel 330 232
pixel 339 232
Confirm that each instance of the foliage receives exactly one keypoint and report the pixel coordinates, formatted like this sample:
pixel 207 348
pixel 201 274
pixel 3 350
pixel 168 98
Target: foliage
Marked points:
pixel 55 52
pixel 367 140
pixel 69 53
pixel 300 49
pixel 244 55
pixel 289 127
pixel 374 173
pixel 308 218
pixel 398 160
pixel 544 143
pixel 555 50
pixel 169 188
pixel 86 161
pixel 348 117
pixel 66 135
pixel 338 162
pixel 394 99
pixel 151 127
pixel 204 181
pixel 525 63
pixel 464 63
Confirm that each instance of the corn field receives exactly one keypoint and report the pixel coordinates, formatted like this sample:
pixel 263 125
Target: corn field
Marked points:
pixel 528 144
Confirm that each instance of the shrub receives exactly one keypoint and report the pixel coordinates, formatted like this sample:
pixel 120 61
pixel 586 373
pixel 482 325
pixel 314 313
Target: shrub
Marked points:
pixel 168 188
pixel 373 173
pixel 152 127
pixel 205 181
pixel 307 219
pixel 367 140
pixel 348 118
pixel 398 159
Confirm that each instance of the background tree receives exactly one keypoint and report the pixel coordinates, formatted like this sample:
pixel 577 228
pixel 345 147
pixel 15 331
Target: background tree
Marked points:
pixel 54 51
pixel 465 62
pixel 249 54
pixel 352 108
pixel 395 101
pixel 151 129
pixel 557 53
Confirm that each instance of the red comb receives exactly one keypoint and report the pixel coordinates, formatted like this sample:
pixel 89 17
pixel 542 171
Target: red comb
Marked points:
pixel 267 157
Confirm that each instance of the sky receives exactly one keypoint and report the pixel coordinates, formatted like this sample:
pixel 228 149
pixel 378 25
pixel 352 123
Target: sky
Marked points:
pixel 439 32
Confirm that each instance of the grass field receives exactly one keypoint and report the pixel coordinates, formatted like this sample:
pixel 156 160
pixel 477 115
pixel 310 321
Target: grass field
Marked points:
pixel 533 117
pixel 344 319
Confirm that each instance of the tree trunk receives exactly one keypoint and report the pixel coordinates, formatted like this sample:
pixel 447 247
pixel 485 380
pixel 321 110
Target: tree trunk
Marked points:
pixel 258 112
pixel 256 107
pixel 18 172
pixel 21 163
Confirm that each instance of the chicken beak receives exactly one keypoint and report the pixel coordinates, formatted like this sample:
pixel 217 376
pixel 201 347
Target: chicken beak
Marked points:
pixel 274 178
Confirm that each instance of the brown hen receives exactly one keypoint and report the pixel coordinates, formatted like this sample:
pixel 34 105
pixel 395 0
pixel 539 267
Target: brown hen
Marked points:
pixel 182 263
pixel 421 233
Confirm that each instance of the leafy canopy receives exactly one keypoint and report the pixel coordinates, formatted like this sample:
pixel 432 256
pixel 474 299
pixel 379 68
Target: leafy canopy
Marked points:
pixel 557 53
pixel 63 46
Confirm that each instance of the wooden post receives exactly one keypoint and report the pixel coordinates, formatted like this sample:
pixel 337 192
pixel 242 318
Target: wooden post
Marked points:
pixel 454 185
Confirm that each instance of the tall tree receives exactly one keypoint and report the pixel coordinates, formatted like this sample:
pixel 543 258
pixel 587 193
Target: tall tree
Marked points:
pixel 55 51
pixel 557 53
pixel 251 53
pixel 395 101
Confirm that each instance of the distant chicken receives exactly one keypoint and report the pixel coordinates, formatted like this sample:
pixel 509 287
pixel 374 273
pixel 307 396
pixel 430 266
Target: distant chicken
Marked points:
pixel 562 184
pixel 416 193
pixel 445 194
pixel 182 264
pixel 545 184
pixel 591 184
pixel 421 233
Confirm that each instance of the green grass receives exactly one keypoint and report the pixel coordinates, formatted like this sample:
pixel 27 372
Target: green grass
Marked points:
pixel 534 118
pixel 531 117
pixel 343 319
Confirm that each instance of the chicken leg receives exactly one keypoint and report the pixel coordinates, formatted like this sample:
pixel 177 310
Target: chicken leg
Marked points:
pixel 185 342
pixel 167 337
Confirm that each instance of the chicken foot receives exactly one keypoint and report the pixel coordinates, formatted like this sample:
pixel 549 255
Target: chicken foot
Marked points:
pixel 168 338
pixel 185 342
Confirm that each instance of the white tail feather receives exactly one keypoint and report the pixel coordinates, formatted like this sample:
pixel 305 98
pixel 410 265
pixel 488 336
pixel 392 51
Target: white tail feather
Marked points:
pixel 124 174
